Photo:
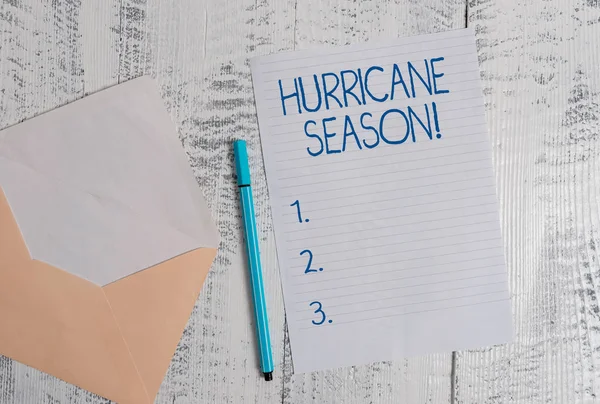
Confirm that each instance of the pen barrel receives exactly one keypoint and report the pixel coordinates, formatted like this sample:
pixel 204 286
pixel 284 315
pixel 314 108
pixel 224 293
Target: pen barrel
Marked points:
pixel 258 292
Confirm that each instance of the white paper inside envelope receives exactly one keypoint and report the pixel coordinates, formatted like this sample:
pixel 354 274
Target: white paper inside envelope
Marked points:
pixel 101 187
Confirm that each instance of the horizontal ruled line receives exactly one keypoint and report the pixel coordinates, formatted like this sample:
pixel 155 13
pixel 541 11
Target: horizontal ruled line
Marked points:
pixel 395 101
pixel 387 85
pixel 398 171
pixel 440 111
pixel 403 233
pixel 431 275
pixel 422 136
pixel 312 210
pixel 392 152
pixel 463 63
pixel 400 102
pixel 395 243
pixel 384 85
pixel 459 118
pixel 345 51
pixel 410 214
pixel 413 312
pixel 307 156
pixel 412 304
pixel 407 251
pixel 362 59
pixel 404 269
pixel 413 205
pixel 415 259
pixel 402 206
pixel 395 180
pixel 424 284
pixel 377 228
pixel 397 287
pixel 329 305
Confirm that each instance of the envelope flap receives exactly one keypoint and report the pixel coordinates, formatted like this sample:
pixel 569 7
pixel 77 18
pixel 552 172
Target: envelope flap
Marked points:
pixel 152 308
pixel 96 238
pixel 116 148
pixel 114 144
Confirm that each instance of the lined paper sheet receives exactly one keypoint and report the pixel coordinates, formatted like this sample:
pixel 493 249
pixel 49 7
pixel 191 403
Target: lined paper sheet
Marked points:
pixel 383 195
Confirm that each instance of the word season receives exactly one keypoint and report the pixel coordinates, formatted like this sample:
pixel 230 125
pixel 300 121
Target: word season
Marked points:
pixel 352 87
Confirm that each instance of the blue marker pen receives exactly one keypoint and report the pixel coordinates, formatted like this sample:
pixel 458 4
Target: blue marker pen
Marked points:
pixel 253 252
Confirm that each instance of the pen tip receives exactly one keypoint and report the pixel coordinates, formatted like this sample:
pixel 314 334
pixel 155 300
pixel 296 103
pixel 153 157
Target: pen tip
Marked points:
pixel 268 376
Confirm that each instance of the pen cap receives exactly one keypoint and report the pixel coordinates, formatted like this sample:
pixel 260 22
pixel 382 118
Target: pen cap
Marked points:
pixel 241 162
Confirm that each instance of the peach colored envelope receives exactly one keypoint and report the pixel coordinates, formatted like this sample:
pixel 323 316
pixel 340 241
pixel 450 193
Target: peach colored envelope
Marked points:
pixel 105 241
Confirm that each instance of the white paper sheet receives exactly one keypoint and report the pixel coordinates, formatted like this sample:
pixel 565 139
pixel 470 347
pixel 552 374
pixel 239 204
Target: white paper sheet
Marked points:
pixel 391 247
pixel 101 187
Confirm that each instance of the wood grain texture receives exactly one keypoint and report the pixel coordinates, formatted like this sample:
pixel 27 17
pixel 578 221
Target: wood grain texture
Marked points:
pixel 539 63
pixel 540 68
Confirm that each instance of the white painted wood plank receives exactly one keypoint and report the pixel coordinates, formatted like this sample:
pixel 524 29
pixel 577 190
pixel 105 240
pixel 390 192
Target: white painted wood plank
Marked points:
pixel 100 43
pixel 540 68
pixel 339 22
pixel 40 67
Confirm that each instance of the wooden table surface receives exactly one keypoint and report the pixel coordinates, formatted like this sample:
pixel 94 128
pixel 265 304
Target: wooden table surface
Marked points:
pixel 540 68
